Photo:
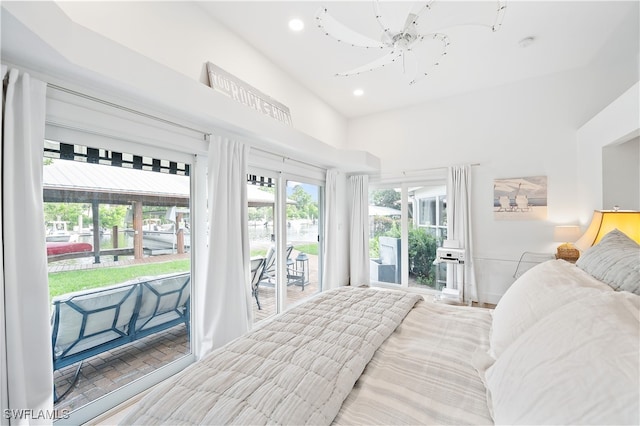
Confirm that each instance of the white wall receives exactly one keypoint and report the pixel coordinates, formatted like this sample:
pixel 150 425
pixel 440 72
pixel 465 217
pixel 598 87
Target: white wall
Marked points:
pixel 522 129
pixel 617 123
pixel 183 37
pixel 621 175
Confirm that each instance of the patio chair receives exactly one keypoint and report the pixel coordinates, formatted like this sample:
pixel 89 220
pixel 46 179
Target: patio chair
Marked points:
pixel 269 274
pixel 257 267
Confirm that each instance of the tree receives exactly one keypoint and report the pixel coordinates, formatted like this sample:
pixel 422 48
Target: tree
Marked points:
pixel 304 208
pixel 422 253
pixel 112 215
pixel 385 198
pixel 66 212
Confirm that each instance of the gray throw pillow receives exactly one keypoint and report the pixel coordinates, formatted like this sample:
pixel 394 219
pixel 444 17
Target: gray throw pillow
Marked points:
pixel 615 260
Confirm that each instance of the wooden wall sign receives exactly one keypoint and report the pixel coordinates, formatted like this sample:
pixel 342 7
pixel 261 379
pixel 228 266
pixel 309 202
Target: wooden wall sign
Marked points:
pixel 238 90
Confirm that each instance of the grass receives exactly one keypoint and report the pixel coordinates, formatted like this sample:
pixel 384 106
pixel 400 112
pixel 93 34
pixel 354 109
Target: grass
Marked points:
pixel 258 253
pixel 70 281
pixel 308 248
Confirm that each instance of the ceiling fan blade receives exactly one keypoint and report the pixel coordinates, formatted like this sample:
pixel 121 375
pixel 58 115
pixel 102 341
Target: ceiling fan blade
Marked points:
pixel 444 41
pixel 493 21
pixel 378 63
pixel 344 34
pixel 502 8
pixel 416 13
pixel 384 25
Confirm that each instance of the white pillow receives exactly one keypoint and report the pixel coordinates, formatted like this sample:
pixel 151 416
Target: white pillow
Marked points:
pixel 578 365
pixel 537 293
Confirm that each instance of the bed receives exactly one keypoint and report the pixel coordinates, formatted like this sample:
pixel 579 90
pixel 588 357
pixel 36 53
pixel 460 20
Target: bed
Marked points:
pixel 561 347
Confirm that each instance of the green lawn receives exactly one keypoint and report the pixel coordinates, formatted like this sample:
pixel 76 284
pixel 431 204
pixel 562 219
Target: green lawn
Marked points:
pixel 305 248
pixel 308 248
pixel 70 281
pixel 258 253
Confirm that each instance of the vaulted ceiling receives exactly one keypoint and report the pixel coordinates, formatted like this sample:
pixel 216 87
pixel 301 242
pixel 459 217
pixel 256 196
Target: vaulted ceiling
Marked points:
pixel 565 35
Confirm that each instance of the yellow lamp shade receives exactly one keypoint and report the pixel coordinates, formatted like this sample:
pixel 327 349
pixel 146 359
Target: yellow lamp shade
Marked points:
pixel 605 221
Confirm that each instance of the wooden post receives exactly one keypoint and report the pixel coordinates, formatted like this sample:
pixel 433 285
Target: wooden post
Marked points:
pixel 179 235
pixel 114 240
pixel 95 212
pixel 137 230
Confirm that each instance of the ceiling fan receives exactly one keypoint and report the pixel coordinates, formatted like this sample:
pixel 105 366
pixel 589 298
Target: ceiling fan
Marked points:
pixel 400 44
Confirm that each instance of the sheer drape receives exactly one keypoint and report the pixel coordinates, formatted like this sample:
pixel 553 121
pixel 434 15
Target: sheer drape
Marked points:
pixel 330 276
pixel 359 230
pixel 26 371
pixel 223 298
pixel 459 222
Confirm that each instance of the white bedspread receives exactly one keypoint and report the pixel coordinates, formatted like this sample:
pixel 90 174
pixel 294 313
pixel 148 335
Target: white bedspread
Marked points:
pixel 422 374
pixel 296 369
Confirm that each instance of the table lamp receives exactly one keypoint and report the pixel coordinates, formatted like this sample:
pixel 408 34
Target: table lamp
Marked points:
pixel 605 221
pixel 567 235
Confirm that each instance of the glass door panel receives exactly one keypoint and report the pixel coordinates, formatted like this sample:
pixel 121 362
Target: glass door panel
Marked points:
pixel 427 225
pixel 119 255
pixel 303 251
pixel 385 228
pixel 261 196
pixel 406 225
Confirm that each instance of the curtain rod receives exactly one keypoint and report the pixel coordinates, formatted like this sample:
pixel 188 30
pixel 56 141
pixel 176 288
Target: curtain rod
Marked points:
pixel 399 173
pixel 127 109
pixel 205 134
pixel 285 158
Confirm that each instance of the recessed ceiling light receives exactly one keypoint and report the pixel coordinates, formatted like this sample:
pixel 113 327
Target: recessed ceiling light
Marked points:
pixel 296 24
pixel 358 92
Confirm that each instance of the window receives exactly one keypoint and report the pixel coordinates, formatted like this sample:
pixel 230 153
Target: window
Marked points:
pixel 119 250
pixel 407 219
pixel 432 214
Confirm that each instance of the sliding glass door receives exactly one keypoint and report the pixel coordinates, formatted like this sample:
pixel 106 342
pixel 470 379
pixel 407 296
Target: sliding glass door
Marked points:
pixel 285 222
pixel 119 255
pixel 406 225
pixel 303 248
pixel 261 199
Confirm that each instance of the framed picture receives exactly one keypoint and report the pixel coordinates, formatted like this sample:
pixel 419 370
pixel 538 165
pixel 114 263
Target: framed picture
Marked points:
pixel 521 198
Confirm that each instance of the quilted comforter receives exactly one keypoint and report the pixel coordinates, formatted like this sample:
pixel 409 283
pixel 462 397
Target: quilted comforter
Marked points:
pixel 296 369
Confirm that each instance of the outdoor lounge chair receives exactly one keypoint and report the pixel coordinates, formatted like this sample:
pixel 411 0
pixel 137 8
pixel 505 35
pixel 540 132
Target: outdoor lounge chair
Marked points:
pixel 89 322
pixel 269 274
pixel 257 267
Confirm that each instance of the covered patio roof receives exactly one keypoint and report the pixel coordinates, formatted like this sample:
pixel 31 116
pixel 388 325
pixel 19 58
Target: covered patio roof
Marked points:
pixel 67 181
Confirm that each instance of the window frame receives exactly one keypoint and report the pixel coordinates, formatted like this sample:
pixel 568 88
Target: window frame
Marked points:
pixel 431 178
pixel 198 196
pixel 298 172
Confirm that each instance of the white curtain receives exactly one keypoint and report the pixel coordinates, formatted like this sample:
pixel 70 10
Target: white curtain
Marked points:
pixel 330 271
pixel 26 371
pixel 224 297
pixel 359 230
pixel 459 222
